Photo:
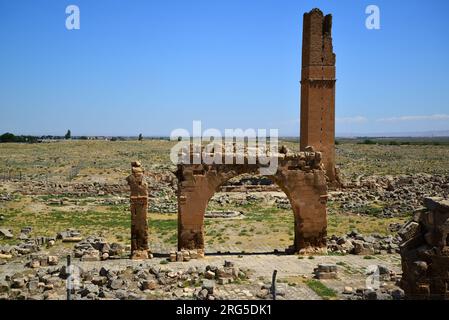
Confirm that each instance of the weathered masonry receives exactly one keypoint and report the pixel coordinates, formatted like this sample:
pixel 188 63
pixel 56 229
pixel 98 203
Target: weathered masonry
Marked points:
pixel 139 210
pixel 318 88
pixel 425 252
pixel 300 175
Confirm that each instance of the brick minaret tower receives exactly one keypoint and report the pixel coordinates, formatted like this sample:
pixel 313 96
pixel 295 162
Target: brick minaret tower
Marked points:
pixel 318 88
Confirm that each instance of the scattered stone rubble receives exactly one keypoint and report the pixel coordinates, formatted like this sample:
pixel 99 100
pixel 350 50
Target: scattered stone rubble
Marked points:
pixel 425 252
pixel 163 185
pixel 24 248
pixel 356 243
pixel 96 248
pixel 6 233
pixel 162 206
pixel 373 294
pixel 92 248
pixel 266 292
pixel 125 283
pixel 86 189
pixel 395 195
pixel 69 235
pixel 220 275
pixel 227 198
pixel 381 284
pixel 42 260
pixel 389 195
pixel 224 214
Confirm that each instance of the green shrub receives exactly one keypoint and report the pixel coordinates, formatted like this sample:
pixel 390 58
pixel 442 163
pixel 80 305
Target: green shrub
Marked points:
pixel 320 289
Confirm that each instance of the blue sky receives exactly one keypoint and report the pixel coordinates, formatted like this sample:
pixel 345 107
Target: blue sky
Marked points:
pixel 152 66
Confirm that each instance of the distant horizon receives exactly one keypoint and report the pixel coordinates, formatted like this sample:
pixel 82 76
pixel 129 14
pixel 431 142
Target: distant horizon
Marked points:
pixel 420 134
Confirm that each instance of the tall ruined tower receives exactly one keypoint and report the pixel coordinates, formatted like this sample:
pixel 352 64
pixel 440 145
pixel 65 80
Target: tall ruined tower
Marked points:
pixel 318 88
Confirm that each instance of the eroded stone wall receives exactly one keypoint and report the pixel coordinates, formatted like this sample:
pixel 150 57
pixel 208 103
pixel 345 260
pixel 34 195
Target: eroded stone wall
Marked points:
pixel 318 88
pixel 425 252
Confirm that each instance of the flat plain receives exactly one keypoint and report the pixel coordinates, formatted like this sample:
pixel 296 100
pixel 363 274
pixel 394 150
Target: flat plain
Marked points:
pixel 51 187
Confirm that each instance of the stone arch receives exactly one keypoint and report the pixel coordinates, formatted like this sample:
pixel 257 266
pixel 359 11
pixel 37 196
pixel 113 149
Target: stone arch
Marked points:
pixel 300 176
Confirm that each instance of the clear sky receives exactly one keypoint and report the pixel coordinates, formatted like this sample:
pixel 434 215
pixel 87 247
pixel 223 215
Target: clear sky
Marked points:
pixel 152 66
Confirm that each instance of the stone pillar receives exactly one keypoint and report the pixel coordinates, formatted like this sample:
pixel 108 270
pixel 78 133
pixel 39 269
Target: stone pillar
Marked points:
pixel 139 210
pixel 318 89
pixel 194 192
pixel 307 192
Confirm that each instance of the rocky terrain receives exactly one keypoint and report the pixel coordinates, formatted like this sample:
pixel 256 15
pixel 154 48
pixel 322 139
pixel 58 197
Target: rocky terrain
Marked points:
pixel 71 199
pixel 42 273
pixel 383 196
pixel 35 268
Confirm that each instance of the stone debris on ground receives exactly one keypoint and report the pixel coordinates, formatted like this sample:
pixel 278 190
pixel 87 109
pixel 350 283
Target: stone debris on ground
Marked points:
pixel 6 233
pixel 27 246
pixel 125 283
pixel 69 235
pixel 394 195
pixel 382 196
pixel 95 248
pixel 373 294
pixel 356 243
pixel 381 284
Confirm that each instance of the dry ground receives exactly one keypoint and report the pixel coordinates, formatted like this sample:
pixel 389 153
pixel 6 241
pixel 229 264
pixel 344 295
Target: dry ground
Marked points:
pixel 264 226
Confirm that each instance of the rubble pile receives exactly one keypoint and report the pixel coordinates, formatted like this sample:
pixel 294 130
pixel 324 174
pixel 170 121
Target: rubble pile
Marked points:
pixel 95 248
pixel 381 284
pixel 356 243
pixel 27 246
pixel 70 235
pixel 425 252
pixel 373 294
pixel 394 195
pixel 124 283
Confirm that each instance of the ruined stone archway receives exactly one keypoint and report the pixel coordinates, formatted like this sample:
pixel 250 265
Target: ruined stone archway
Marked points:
pixel 300 175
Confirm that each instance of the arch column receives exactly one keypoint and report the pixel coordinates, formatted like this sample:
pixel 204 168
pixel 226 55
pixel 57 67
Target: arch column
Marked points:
pixel 307 192
pixel 195 187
